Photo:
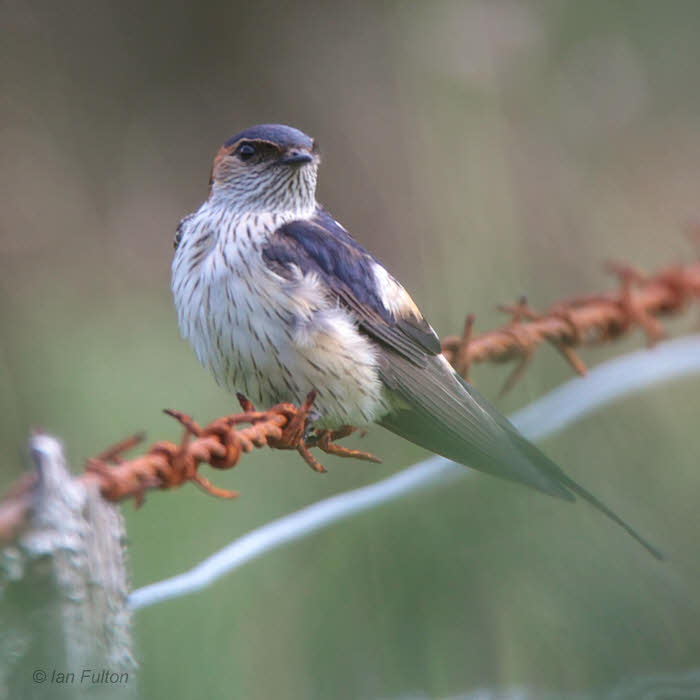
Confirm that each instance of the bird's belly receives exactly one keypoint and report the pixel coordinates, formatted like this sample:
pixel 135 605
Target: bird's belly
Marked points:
pixel 260 338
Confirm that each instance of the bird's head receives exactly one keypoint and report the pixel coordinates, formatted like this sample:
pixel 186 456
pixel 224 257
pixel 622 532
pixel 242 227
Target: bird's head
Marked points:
pixel 266 168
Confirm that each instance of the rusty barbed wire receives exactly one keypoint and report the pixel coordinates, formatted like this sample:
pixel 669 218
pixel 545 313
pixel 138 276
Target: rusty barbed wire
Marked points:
pixel 579 321
pixel 168 465
pixel 638 303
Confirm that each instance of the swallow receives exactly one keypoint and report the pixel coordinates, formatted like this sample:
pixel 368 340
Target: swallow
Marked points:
pixel 278 299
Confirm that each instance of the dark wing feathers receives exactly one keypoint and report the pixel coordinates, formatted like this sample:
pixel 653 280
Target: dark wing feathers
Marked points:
pixel 398 337
pixel 433 407
pixel 322 246
pixel 342 263
pixel 443 414
pixel 416 329
pixel 420 332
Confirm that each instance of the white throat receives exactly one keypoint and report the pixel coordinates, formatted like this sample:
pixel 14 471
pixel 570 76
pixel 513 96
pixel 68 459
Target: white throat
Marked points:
pixel 292 194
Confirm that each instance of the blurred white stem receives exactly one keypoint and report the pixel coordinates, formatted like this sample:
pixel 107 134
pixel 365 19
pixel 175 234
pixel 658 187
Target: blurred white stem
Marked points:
pixel 572 400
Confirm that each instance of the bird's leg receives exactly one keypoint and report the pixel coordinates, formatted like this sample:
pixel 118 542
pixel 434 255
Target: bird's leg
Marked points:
pixel 325 441
pixel 295 432
pixel 303 450
pixel 299 433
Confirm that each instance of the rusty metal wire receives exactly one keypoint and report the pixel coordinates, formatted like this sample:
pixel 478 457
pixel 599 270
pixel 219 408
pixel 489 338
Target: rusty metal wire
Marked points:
pixel 575 322
pixel 589 320
pixel 168 465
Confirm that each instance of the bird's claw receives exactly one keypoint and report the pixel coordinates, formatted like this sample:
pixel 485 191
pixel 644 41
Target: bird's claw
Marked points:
pixel 300 434
pixel 325 441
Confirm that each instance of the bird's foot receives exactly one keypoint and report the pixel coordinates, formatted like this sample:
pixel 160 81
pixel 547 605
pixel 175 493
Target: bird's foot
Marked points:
pixel 325 441
pixel 299 434
pixel 293 436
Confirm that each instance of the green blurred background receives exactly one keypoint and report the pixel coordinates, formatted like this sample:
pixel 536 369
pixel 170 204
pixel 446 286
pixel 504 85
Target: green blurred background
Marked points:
pixel 482 150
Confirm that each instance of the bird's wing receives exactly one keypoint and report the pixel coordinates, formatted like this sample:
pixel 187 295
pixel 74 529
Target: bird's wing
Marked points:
pixel 432 406
pixel 381 306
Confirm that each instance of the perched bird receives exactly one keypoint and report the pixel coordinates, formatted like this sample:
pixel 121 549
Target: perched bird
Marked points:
pixel 278 299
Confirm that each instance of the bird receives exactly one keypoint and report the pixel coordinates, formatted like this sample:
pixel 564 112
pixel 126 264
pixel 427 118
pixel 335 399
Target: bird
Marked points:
pixel 278 300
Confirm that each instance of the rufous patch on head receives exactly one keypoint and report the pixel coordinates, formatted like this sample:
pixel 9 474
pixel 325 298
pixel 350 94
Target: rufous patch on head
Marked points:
pixel 222 153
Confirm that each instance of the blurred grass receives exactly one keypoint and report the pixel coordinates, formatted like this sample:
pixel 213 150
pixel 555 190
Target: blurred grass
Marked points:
pixel 481 150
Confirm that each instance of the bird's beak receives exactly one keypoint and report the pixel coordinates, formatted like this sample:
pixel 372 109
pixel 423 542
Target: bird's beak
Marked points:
pixel 296 156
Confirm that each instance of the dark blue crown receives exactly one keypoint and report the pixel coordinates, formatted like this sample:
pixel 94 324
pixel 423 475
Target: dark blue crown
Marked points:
pixel 283 136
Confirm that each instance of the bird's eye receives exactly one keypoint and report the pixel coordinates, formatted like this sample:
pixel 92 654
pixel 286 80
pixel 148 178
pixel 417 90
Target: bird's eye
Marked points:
pixel 245 151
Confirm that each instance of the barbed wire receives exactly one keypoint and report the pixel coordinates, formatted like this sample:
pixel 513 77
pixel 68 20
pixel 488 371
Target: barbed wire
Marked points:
pixel 168 465
pixel 638 302
pixel 579 321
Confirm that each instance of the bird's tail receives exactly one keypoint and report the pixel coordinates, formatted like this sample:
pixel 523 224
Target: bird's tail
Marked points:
pixel 433 407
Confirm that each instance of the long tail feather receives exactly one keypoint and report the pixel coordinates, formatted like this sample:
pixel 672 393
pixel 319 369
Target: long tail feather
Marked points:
pixel 433 407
